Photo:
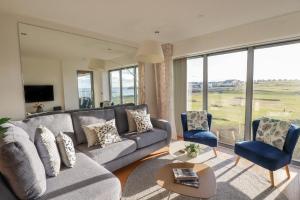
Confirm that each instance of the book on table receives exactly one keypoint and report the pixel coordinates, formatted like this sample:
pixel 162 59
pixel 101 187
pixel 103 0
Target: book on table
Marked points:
pixel 186 176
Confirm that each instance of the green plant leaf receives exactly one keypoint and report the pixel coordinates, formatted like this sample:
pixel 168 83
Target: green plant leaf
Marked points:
pixel 4 120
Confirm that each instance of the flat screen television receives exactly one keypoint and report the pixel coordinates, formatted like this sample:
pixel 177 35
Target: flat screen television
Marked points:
pixel 38 93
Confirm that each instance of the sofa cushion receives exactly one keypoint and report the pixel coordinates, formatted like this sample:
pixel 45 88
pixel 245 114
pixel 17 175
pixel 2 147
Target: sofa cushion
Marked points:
pixel 121 116
pixel 21 165
pixel 110 152
pixel 46 145
pixel 202 137
pixel 86 180
pixel 66 149
pixel 262 154
pixel 55 123
pixel 131 123
pixel 81 118
pixel 147 138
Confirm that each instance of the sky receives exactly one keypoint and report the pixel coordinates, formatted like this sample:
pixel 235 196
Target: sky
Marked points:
pixel 281 62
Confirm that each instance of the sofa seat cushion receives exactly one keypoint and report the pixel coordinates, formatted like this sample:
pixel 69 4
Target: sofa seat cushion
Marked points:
pixel 147 138
pixel 86 180
pixel 109 152
pixel 262 154
pixel 202 137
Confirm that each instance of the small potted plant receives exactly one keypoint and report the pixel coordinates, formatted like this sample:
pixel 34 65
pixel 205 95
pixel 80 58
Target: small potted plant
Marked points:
pixel 192 150
pixel 3 129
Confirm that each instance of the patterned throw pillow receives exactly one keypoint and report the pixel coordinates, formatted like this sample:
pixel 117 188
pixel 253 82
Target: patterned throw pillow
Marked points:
pixel 47 149
pixel 90 133
pixel 66 149
pixel 143 122
pixel 272 132
pixel 131 122
pixel 108 133
pixel 197 120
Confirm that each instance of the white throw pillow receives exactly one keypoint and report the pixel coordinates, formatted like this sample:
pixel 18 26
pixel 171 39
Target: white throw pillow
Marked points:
pixel 90 133
pixel 143 122
pixel 197 120
pixel 272 132
pixel 47 149
pixel 66 149
pixel 108 133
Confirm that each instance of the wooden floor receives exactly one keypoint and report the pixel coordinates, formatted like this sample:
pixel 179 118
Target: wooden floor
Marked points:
pixel 290 188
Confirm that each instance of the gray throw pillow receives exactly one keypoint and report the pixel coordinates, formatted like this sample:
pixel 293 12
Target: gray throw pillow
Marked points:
pixel 21 165
pixel 66 149
pixel 197 120
pixel 47 149
pixel 131 123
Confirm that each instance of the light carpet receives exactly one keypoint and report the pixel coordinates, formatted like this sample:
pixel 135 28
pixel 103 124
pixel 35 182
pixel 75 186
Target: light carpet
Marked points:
pixel 233 182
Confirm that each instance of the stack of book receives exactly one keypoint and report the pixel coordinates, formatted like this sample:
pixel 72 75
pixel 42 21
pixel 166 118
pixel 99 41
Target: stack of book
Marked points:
pixel 186 176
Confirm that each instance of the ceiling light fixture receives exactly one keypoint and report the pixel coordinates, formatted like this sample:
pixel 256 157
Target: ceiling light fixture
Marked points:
pixel 150 51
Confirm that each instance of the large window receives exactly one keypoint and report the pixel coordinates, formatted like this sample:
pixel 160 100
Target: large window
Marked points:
pixel 227 94
pixel 274 92
pixel 123 85
pixel 194 83
pixel 276 88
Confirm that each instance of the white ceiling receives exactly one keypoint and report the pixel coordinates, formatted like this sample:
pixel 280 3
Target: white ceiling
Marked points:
pixel 136 20
pixel 36 41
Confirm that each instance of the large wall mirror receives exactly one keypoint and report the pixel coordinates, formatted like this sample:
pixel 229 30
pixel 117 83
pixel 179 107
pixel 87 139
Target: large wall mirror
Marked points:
pixel 65 71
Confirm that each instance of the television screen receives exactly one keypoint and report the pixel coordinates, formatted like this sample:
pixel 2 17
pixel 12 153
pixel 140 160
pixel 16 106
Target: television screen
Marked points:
pixel 38 93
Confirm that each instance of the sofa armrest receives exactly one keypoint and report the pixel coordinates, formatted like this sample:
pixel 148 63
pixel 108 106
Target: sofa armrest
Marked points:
pixel 162 124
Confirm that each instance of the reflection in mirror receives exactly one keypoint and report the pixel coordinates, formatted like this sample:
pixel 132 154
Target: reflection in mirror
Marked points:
pixel 85 89
pixel 76 68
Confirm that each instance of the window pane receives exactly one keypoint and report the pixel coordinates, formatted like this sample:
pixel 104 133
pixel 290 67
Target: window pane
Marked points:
pixel 226 95
pixel 128 85
pixel 276 89
pixel 115 87
pixel 194 84
pixel 85 89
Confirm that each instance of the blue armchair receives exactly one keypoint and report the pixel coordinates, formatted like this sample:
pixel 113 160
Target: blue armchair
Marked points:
pixel 266 155
pixel 198 136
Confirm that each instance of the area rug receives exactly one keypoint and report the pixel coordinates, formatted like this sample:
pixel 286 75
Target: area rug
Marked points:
pixel 233 182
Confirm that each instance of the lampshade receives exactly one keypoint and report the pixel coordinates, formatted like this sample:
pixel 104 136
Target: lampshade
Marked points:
pixel 150 52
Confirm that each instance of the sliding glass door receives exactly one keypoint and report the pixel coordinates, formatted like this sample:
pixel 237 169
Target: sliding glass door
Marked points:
pixel 227 94
pixel 115 87
pixel 276 89
pixel 195 83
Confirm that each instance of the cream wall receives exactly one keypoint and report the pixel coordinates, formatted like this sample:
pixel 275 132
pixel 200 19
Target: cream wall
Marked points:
pixel 11 87
pixel 43 71
pixel 277 28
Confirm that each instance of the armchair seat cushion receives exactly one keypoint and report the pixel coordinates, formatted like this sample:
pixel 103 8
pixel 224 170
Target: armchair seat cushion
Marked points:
pixel 203 137
pixel 262 154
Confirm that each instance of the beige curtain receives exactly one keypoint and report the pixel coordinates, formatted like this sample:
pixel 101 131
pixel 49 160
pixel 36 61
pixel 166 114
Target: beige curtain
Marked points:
pixel 164 87
pixel 180 92
pixel 141 83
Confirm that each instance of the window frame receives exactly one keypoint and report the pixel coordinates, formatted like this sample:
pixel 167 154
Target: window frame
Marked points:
pixel 134 67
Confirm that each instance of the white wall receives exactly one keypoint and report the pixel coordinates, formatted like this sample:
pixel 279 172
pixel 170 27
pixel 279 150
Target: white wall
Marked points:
pixel 277 28
pixel 43 71
pixel 11 87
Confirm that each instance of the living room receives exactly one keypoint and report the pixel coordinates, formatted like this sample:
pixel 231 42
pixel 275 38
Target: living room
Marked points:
pixel 104 99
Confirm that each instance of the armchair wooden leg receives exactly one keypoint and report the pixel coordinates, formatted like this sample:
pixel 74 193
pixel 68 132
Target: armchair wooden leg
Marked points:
pixel 237 160
pixel 287 171
pixel 272 178
pixel 215 152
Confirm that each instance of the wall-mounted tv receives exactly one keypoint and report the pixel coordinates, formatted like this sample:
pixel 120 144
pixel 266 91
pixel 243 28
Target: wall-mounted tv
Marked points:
pixel 38 93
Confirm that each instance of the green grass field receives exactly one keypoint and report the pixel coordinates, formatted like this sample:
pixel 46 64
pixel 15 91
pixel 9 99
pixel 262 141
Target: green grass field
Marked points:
pixel 276 99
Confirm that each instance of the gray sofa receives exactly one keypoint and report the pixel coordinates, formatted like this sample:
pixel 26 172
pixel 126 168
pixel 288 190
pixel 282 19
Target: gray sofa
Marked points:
pixel 91 177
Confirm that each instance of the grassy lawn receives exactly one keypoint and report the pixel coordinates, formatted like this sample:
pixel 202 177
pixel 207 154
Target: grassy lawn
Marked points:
pixel 277 99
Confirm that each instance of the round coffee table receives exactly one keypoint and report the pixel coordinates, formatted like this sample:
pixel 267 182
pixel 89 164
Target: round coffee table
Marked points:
pixel 207 180
pixel 177 150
